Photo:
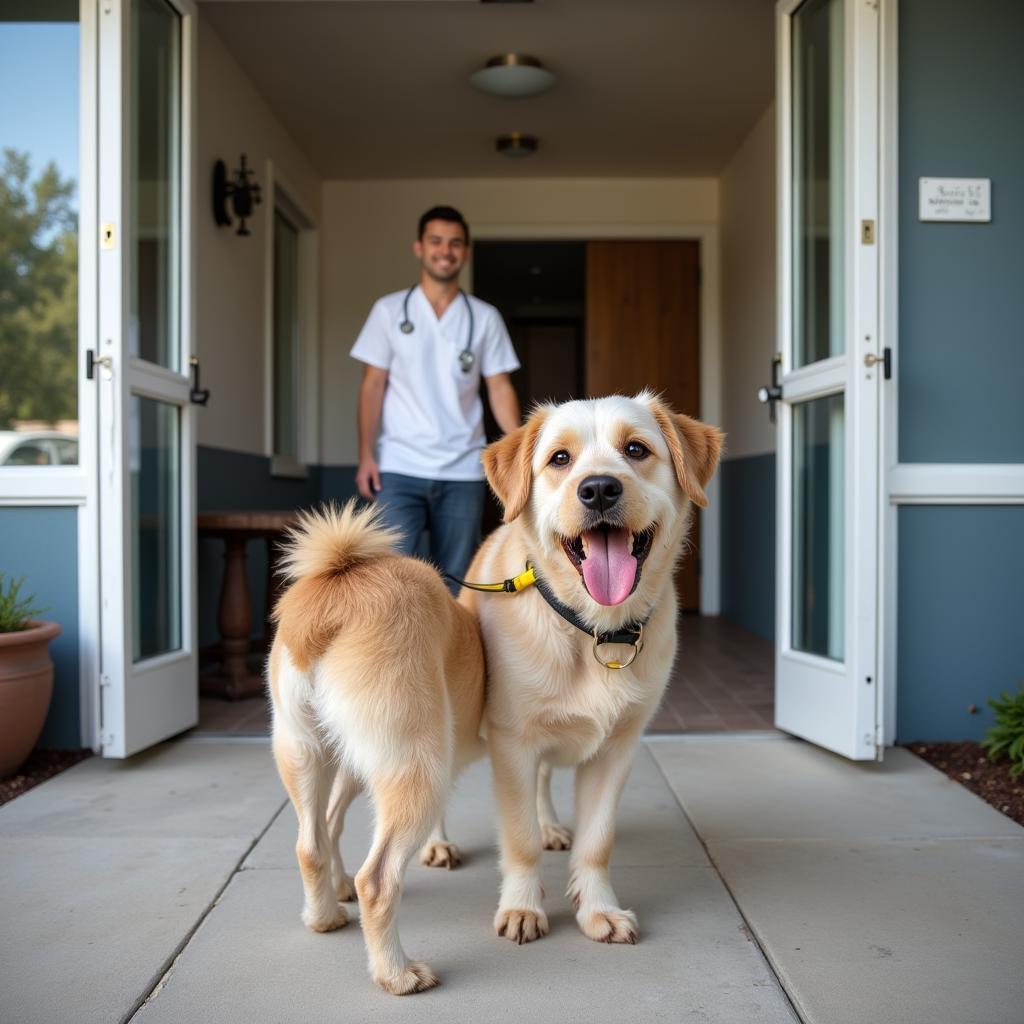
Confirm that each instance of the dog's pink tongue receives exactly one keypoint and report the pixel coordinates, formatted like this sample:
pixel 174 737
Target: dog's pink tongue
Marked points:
pixel 609 568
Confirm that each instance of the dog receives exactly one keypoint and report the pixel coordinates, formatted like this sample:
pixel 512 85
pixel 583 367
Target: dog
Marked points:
pixel 597 498
pixel 376 678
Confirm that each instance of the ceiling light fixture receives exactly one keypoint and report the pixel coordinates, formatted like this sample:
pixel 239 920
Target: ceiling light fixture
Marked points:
pixel 513 76
pixel 516 145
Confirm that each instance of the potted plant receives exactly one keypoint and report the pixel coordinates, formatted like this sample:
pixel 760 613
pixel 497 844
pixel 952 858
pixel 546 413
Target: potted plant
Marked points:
pixel 26 674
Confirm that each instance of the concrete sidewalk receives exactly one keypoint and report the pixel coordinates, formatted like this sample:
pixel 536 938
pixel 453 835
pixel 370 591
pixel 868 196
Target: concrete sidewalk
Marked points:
pixel 773 882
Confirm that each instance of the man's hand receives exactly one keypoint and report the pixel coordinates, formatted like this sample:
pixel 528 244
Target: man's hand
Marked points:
pixel 371 401
pixel 501 396
pixel 368 478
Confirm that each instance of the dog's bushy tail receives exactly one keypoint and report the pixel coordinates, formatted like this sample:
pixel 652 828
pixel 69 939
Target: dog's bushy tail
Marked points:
pixel 330 540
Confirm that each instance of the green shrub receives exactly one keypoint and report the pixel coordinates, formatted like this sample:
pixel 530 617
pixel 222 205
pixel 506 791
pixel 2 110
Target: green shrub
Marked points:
pixel 1007 735
pixel 15 610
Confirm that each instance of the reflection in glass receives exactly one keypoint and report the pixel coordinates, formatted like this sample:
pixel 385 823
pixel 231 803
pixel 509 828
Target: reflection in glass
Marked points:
pixel 286 336
pixel 155 183
pixel 39 66
pixel 155 463
pixel 817 181
pixel 818 533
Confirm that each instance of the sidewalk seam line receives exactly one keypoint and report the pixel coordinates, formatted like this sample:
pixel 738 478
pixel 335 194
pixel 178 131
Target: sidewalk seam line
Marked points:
pixel 747 924
pixel 168 965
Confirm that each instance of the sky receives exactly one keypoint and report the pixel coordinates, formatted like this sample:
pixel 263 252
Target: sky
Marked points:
pixel 39 93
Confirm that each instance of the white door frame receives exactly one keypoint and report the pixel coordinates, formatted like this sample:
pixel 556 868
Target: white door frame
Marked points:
pixel 835 703
pixel 144 702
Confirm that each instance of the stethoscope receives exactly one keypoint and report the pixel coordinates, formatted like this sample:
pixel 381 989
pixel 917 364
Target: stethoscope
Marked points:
pixel 466 357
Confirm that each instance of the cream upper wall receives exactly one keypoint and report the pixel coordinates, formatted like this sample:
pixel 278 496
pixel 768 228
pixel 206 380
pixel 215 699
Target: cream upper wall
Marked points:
pixel 230 280
pixel 748 289
pixel 369 228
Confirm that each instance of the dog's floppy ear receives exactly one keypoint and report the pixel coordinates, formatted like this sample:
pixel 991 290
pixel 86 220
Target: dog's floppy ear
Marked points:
pixel 694 447
pixel 508 464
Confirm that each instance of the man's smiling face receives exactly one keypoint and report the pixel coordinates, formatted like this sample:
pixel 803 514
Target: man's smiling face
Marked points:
pixel 442 250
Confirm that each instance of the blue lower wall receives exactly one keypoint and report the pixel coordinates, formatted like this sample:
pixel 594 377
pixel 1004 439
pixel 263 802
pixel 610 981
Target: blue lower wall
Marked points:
pixel 747 489
pixel 961 617
pixel 41 544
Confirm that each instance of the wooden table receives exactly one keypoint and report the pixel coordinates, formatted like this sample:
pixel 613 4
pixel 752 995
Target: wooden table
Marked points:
pixel 234 612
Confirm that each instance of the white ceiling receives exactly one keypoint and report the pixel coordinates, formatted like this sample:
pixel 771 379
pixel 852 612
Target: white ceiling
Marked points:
pixel 379 88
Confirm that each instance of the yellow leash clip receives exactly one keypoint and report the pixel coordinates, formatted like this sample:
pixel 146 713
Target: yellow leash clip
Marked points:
pixel 512 586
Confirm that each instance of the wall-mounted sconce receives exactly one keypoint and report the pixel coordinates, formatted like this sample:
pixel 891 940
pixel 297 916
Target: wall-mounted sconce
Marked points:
pixel 243 193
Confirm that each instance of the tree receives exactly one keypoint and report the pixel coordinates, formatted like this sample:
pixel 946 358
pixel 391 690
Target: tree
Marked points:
pixel 38 294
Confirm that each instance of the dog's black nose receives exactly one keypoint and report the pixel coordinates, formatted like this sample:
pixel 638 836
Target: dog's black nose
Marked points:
pixel 599 492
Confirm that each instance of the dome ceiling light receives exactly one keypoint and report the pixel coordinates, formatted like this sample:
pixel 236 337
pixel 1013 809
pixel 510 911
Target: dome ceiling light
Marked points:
pixel 515 145
pixel 513 76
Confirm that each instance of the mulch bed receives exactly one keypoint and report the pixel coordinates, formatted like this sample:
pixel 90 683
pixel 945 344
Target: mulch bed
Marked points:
pixel 40 766
pixel 969 765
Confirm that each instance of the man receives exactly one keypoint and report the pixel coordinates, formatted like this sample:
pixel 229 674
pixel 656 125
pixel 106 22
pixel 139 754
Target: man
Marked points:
pixel 425 350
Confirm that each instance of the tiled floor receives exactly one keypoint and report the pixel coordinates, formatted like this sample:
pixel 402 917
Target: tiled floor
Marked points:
pixel 722 682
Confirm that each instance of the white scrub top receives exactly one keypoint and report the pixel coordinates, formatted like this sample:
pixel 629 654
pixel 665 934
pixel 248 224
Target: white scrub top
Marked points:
pixel 432 423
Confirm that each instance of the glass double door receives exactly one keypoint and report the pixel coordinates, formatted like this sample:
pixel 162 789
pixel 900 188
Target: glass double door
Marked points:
pixel 145 442
pixel 827 680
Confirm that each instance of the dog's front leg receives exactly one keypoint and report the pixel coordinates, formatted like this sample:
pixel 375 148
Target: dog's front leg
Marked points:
pixel 346 788
pixel 520 915
pixel 599 784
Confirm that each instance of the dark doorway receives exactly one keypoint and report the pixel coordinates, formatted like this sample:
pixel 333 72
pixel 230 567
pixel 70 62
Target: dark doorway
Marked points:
pixel 540 290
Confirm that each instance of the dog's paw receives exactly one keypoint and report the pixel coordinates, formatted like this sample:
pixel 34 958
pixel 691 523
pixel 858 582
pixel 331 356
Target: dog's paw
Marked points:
pixel 321 922
pixel 345 888
pixel 609 925
pixel 441 855
pixel 521 926
pixel 556 837
pixel 417 977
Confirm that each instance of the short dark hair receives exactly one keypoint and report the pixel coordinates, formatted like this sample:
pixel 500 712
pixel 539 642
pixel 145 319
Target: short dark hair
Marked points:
pixel 448 213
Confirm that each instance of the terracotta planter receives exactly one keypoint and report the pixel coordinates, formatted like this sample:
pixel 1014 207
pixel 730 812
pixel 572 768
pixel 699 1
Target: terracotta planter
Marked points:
pixel 26 685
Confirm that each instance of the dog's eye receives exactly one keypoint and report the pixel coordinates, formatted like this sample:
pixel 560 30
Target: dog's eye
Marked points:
pixel 635 450
pixel 560 458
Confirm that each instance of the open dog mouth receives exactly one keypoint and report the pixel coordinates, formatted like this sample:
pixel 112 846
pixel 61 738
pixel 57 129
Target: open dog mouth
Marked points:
pixel 609 560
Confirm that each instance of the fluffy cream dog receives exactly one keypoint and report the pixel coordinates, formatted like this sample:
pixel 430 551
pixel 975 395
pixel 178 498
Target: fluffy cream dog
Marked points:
pixel 376 677
pixel 597 497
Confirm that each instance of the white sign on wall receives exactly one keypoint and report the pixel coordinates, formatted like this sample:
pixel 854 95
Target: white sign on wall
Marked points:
pixel 955 199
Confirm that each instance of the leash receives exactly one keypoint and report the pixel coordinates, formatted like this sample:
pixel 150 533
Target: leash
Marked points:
pixel 631 634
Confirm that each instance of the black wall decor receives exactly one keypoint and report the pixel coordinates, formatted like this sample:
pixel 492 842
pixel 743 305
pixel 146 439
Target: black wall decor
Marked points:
pixel 243 193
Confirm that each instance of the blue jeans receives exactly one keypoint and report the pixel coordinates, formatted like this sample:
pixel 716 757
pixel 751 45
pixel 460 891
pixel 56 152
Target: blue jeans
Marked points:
pixel 451 510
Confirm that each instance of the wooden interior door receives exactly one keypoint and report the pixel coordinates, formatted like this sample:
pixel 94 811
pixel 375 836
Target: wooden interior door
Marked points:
pixel 643 331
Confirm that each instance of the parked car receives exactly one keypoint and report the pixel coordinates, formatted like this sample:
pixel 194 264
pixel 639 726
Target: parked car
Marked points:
pixel 37 448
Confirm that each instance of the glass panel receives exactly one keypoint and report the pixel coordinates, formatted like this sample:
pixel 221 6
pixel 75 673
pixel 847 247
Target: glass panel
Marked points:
pixel 286 336
pixel 155 460
pixel 154 287
pixel 817 181
pixel 39 67
pixel 818 527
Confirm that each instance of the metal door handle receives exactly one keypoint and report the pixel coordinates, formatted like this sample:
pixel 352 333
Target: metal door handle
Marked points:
pixel 773 393
pixel 200 396
pixel 885 358
pixel 91 362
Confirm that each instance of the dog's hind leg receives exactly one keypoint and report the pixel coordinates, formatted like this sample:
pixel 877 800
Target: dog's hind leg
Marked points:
pixel 406 807
pixel 346 788
pixel 306 772
pixel 439 851
pixel 556 836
